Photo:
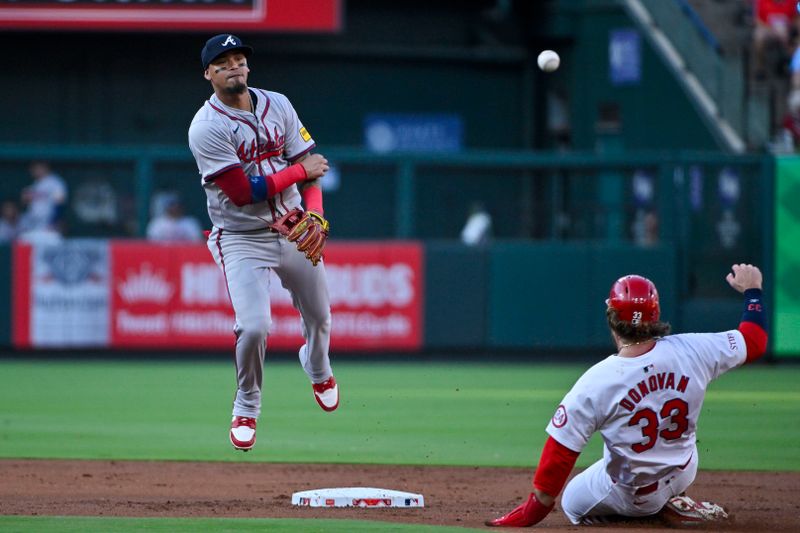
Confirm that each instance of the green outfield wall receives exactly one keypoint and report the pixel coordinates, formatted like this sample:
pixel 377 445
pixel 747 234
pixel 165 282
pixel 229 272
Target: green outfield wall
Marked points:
pixel 787 258
pixel 510 295
pixel 553 295
pixel 456 295
pixel 565 225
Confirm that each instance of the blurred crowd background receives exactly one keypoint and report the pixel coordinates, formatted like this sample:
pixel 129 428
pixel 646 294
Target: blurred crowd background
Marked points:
pixel 659 131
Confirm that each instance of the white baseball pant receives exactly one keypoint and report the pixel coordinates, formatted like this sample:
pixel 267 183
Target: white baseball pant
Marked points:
pixel 593 493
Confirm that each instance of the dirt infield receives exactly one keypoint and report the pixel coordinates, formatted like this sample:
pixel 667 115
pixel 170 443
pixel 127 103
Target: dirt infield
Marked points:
pixel 460 496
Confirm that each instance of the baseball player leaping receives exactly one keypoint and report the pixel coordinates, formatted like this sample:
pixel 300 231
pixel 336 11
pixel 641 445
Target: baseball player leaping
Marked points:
pixel 253 154
pixel 645 401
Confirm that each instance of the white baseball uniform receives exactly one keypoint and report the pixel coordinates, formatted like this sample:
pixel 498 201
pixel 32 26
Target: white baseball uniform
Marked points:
pixel 166 228
pixel 646 409
pixel 263 143
pixel 47 194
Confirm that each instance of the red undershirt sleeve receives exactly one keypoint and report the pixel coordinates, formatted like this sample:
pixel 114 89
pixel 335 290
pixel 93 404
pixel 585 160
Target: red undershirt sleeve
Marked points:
pixel 554 468
pixel 243 190
pixel 755 338
pixel 285 179
pixel 235 185
pixel 312 196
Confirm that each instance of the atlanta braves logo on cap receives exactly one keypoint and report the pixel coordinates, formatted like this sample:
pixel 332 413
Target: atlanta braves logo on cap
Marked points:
pixel 220 44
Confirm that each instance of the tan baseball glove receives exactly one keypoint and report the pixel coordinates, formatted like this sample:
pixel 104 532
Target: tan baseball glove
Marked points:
pixel 308 230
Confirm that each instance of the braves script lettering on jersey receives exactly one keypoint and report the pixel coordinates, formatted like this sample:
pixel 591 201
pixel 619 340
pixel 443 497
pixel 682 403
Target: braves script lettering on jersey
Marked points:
pixel 242 139
pixel 263 143
pixel 646 409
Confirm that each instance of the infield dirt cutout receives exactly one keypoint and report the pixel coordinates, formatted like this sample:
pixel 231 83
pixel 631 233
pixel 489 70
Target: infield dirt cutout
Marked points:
pixel 454 496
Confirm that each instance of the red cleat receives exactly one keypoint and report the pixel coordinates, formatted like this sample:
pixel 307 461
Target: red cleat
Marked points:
pixel 243 432
pixel 327 394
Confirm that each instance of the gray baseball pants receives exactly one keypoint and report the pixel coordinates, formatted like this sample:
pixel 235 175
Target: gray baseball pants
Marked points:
pixel 246 259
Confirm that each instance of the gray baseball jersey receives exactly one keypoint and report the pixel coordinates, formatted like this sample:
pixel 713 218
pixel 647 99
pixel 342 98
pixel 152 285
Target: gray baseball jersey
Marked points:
pixel 263 143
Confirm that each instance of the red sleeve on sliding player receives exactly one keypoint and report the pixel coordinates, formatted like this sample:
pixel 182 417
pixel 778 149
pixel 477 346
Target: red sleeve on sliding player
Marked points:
pixel 755 338
pixel 312 196
pixel 554 467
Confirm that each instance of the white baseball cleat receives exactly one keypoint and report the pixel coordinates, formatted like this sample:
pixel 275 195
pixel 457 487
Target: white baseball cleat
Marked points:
pixel 243 433
pixel 682 511
pixel 327 394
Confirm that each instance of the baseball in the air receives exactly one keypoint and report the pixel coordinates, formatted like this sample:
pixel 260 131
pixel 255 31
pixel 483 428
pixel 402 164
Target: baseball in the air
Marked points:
pixel 548 61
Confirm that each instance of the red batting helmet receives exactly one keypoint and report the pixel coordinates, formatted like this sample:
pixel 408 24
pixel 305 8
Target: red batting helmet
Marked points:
pixel 635 299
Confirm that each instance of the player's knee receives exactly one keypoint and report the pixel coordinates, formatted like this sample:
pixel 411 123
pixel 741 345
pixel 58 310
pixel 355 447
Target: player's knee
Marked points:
pixel 325 323
pixel 254 331
pixel 321 323
pixel 573 503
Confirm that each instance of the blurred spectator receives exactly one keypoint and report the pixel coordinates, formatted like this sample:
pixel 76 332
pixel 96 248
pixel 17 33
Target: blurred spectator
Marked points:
pixel 9 221
pixel 645 228
pixel 173 225
pixel 774 21
pixel 46 200
pixel 478 227
pixel 558 120
pixel 794 63
pixel 789 139
pixel 94 203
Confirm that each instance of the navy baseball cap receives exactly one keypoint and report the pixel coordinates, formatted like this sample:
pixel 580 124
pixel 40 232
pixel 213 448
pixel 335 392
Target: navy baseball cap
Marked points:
pixel 219 44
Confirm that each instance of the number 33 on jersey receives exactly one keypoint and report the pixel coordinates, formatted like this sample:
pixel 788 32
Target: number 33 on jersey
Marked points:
pixel 646 407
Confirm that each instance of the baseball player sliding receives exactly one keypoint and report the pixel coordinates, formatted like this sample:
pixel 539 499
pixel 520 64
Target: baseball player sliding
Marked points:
pixel 254 156
pixel 645 401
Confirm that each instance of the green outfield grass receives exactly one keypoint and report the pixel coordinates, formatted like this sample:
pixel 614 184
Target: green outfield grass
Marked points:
pixel 390 413
pixel 397 413
pixel 81 524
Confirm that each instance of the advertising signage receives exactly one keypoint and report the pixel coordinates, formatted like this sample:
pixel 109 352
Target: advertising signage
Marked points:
pixel 137 294
pixel 173 15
